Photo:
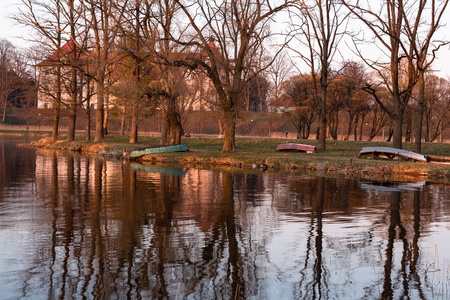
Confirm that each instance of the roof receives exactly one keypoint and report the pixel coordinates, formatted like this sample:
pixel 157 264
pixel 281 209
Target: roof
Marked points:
pixel 62 53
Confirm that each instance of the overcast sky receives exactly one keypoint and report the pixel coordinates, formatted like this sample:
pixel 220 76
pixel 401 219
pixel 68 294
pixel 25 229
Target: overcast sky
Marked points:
pixel 14 32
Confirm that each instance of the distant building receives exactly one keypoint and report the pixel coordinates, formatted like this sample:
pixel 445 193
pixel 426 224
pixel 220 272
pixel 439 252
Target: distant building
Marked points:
pixel 63 60
pixel 202 96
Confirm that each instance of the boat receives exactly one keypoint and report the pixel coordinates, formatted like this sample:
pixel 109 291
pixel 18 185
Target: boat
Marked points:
pixel 291 147
pixel 158 149
pixel 391 153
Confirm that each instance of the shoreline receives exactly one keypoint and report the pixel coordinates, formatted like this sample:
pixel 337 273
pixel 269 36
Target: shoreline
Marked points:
pixel 205 153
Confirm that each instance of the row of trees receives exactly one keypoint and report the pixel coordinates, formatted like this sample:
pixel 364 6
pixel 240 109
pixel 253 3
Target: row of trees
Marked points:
pixel 157 54
pixel 348 101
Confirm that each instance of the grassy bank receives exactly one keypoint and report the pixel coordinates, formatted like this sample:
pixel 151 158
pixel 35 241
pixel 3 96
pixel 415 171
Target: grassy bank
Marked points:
pixel 340 158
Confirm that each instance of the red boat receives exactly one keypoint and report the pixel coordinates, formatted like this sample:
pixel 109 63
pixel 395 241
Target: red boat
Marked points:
pixel 296 148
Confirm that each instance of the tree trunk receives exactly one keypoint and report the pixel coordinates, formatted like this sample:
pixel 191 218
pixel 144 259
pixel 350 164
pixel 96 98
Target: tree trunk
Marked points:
pixel 397 135
pixel 221 126
pixel 134 124
pixel 57 106
pixel 408 130
pixel 164 127
pixel 122 124
pixel 229 142
pixel 4 112
pixel 175 128
pixel 88 121
pixel 73 84
pixel 350 126
pixel 307 131
pixel 105 120
pixel 323 113
pixel 418 118
pixel 361 128
pixel 73 106
pixel 99 137
pixel 88 126
pixel 427 130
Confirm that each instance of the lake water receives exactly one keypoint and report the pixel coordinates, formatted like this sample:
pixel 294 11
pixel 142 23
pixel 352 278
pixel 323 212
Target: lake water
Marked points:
pixel 78 227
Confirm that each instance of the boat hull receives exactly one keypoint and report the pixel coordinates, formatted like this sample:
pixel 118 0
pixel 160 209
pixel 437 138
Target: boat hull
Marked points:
pixel 391 153
pixel 159 149
pixel 296 148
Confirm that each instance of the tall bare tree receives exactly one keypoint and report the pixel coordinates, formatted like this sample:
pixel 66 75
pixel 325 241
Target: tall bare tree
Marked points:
pixel 228 37
pixel 318 26
pixel 46 20
pixel 172 78
pixel 420 28
pixel 74 55
pixel 104 17
pixel 395 68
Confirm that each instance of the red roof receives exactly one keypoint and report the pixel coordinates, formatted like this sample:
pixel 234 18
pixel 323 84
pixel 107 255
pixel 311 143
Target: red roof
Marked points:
pixel 56 57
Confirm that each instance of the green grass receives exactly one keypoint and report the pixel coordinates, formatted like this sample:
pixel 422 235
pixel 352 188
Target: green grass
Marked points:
pixel 340 157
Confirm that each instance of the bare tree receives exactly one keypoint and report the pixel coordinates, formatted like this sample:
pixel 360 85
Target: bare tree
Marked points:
pixel 73 59
pixel 397 72
pixel 172 78
pixel 318 26
pixel 356 102
pixel 136 58
pixel 278 72
pixel 46 19
pixel 228 37
pixel 8 79
pixel 420 28
pixel 436 107
pixel 147 29
pixel 104 17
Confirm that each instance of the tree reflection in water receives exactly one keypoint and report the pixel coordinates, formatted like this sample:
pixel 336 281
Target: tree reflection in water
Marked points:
pixel 111 230
pixel 317 287
pixel 411 280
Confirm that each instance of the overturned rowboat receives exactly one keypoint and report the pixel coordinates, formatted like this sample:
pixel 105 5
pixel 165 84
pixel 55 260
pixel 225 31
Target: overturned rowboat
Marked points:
pixel 391 153
pixel 158 149
pixel 291 147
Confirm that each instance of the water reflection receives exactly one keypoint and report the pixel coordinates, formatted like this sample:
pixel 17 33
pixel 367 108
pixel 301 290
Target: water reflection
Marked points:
pixel 84 227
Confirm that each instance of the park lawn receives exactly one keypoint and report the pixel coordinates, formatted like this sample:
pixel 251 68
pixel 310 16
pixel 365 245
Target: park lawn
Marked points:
pixel 340 157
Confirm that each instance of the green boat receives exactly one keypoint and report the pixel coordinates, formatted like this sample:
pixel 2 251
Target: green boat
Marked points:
pixel 159 149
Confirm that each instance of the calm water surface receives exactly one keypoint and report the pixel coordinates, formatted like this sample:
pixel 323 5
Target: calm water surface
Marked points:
pixel 88 228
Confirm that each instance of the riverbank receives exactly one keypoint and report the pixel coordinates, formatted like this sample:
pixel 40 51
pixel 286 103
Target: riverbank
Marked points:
pixel 340 159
